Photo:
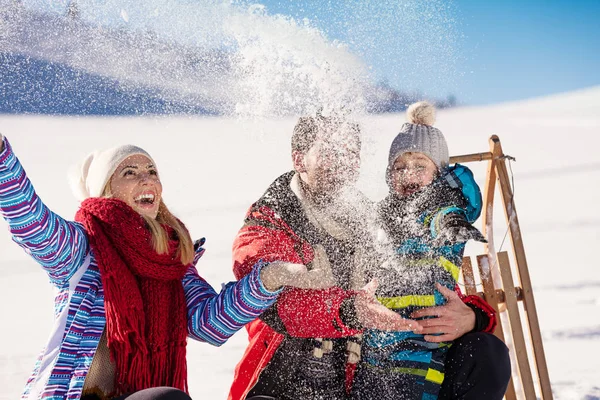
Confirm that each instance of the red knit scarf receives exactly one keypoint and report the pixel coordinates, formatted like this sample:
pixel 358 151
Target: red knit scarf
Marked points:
pixel 146 321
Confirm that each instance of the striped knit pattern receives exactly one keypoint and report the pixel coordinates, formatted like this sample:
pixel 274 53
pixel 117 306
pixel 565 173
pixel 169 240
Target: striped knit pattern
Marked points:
pixel 47 238
pixel 61 248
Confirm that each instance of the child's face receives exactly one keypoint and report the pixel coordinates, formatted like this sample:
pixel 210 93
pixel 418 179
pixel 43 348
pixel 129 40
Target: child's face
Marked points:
pixel 411 172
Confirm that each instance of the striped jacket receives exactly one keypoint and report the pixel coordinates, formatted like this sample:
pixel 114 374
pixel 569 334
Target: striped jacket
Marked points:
pixel 62 249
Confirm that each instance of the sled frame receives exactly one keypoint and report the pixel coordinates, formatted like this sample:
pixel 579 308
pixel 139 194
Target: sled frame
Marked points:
pixel 501 290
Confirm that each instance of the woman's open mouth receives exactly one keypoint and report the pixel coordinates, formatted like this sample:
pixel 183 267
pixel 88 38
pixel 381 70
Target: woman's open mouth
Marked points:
pixel 145 199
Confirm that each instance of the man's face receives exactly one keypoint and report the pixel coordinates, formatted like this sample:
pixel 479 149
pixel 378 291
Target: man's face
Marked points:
pixel 331 164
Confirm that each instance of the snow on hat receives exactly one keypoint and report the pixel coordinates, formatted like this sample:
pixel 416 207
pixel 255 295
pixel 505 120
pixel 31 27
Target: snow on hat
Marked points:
pixel 89 178
pixel 419 136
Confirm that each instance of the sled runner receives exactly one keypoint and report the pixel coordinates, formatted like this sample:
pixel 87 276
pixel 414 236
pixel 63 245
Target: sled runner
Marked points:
pixel 507 288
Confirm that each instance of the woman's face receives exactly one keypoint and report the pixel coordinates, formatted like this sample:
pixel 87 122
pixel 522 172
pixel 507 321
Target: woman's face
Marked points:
pixel 136 182
pixel 411 172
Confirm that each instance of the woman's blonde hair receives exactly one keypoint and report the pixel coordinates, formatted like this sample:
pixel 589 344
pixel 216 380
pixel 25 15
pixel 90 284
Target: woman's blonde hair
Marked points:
pixel 160 240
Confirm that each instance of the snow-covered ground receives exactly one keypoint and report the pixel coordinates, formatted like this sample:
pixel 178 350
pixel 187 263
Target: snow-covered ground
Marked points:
pixel 214 168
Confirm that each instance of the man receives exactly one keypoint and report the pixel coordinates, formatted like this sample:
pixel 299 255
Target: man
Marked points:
pixel 300 347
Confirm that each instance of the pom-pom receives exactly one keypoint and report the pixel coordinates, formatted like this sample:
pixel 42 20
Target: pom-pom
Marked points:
pixel 421 113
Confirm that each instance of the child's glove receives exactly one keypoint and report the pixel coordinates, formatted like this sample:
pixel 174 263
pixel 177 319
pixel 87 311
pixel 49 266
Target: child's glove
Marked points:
pixel 455 228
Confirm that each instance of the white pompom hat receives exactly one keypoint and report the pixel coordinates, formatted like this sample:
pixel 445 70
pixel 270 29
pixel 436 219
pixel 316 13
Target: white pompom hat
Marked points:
pixel 89 178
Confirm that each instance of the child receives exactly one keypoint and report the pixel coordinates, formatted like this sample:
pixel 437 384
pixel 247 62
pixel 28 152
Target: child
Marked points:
pixel 426 218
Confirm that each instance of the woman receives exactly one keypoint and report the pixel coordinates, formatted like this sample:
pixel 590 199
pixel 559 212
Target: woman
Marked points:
pixel 129 293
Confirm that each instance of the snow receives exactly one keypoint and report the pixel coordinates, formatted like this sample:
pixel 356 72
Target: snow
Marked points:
pixel 214 168
pixel 246 62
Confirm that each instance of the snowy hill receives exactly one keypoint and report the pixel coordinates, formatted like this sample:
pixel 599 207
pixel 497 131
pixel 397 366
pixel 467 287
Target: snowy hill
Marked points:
pixel 257 65
pixel 33 86
pixel 130 70
pixel 213 168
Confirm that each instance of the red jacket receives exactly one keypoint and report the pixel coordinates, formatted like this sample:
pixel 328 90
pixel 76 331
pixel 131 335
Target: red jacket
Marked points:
pixel 305 313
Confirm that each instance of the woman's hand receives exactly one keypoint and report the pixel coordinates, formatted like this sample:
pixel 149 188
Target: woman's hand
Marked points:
pixel 279 273
pixel 452 320
pixel 374 315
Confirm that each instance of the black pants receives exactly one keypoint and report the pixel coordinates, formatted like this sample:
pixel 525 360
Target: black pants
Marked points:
pixel 477 367
pixel 294 373
pixel 158 393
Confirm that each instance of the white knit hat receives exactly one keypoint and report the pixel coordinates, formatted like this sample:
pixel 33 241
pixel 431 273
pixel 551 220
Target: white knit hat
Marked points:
pixel 89 178
pixel 419 135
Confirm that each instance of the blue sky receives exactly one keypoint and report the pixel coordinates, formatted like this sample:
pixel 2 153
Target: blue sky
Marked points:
pixel 481 51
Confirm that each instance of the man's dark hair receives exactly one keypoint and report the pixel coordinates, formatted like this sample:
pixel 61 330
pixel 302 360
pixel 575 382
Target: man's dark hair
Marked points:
pixel 309 129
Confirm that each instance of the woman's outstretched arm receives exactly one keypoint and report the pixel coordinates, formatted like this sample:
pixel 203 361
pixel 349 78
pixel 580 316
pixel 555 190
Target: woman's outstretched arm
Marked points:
pixel 59 246
pixel 214 318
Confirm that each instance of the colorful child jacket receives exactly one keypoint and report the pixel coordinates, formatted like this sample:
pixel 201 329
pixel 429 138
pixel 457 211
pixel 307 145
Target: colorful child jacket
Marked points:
pixel 407 281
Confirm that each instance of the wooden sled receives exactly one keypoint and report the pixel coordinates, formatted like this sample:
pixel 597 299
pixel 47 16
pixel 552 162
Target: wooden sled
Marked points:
pixel 510 295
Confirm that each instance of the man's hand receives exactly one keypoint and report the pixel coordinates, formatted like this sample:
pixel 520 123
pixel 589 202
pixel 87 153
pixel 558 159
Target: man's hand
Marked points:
pixel 374 315
pixel 453 319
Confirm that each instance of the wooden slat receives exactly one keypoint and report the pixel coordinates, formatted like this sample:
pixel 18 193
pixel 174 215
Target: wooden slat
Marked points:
pixel 522 268
pixel 491 298
pixel 488 220
pixel 487 215
pixel 468 277
pixel 516 327
pixel 471 157
pixel 488 288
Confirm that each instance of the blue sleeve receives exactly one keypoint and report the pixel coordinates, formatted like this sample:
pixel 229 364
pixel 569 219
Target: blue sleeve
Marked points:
pixel 59 246
pixel 457 177
pixel 461 177
pixel 214 317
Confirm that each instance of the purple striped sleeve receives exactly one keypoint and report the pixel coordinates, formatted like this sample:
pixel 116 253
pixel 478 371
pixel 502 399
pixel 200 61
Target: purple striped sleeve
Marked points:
pixel 59 246
pixel 214 318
